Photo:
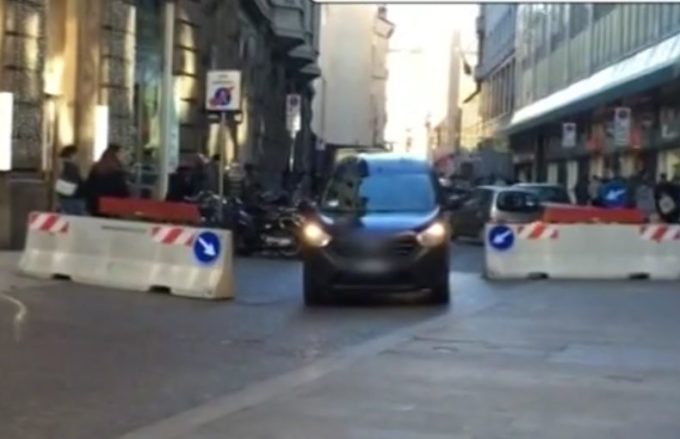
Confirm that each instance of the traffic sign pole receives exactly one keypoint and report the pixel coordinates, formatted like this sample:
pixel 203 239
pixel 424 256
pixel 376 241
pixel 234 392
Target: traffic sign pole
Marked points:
pixel 223 140
pixel 223 95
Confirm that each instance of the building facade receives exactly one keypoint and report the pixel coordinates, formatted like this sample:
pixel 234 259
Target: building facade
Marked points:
pixel 596 91
pixel 495 70
pixel 90 72
pixel 349 106
pixel 448 129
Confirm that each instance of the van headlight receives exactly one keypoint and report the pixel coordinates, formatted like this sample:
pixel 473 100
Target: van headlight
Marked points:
pixel 315 236
pixel 433 236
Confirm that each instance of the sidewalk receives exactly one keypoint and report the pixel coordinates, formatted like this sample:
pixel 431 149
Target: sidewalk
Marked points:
pixel 550 361
pixel 10 279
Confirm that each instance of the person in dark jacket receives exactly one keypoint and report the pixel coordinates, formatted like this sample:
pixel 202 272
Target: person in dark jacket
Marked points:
pixel 198 175
pixel 581 191
pixel 107 179
pixel 180 185
pixel 70 187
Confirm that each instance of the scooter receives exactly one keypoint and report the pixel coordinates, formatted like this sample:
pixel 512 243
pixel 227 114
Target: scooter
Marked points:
pixel 277 228
pixel 228 213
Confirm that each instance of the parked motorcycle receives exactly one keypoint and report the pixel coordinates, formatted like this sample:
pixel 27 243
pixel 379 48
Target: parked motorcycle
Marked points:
pixel 667 202
pixel 269 227
pixel 228 213
pixel 277 230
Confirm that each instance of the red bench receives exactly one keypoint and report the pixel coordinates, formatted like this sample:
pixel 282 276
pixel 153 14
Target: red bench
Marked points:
pixel 150 210
pixel 571 214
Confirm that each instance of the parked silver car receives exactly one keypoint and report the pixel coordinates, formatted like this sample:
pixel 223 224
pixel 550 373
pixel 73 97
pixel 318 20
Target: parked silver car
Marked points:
pixel 547 192
pixel 499 204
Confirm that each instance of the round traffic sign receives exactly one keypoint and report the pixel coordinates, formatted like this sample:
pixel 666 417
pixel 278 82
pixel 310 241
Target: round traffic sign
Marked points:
pixel 501 238
pixel 207 248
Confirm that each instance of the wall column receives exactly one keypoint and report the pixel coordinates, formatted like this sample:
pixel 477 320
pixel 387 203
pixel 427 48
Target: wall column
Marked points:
pixel 88 59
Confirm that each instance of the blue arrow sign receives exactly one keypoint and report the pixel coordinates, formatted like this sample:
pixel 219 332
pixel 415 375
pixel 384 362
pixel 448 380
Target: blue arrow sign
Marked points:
pixel 207 248
pixel 614 194
pixel 501 238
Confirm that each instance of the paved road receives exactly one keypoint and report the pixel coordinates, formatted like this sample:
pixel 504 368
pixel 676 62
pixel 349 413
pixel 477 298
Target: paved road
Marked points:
pixel 557 360
pixel 82 362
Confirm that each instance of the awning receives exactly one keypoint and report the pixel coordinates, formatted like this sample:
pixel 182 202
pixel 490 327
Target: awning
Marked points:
pixel 644 70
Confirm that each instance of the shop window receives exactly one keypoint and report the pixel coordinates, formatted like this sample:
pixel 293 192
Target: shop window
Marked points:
pixel 148 67
pixel 562 173
pixel 672 164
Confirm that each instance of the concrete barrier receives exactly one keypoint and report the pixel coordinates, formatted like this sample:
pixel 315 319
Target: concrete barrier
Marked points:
pixel 185 261
pixel 582 251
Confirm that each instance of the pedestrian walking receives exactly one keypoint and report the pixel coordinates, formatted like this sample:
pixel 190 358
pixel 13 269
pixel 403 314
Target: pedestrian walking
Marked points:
pixel 594 190
pixel 198 178
pixel 582 191
pixel 70 187
pixel 644 197
pixel 107 179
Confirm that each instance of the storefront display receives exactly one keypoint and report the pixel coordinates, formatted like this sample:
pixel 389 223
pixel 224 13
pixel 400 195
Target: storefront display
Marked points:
pixel 669 120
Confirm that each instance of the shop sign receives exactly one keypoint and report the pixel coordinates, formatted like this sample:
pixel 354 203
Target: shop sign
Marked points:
pixel 622 126
pixel 568 135
pixel 669 119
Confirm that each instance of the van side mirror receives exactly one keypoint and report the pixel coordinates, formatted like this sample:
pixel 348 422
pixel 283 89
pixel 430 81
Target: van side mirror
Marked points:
pixel 453 202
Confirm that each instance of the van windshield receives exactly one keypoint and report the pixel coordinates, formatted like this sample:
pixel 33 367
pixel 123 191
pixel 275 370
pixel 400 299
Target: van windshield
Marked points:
pixel 380 193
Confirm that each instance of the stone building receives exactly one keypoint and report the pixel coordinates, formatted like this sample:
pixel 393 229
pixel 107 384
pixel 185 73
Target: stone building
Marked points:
pixel 351 95
pixel 88 72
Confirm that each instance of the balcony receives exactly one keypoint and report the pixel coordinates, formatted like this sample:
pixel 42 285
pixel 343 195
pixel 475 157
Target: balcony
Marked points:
pixel 302 55
pixel 288 23
pixel 261 8
pixel 310 72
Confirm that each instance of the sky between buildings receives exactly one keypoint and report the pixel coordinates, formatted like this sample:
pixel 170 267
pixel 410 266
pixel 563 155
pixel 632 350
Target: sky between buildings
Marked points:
pixel 418 63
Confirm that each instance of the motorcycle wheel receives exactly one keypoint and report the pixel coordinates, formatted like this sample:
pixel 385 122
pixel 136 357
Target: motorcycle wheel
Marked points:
pixel 242 246
pixel 667 202
pixel 292 252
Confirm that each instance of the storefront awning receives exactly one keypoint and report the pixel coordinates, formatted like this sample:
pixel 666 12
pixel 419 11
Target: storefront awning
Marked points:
pixel 644 70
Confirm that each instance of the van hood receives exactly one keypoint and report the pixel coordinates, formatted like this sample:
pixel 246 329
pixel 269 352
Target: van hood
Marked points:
pixel 378 222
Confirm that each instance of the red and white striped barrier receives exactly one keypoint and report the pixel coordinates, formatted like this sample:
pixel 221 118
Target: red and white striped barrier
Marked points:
pixel 660 232
pixel 185 261
pixel 47 222
pixel 582 251
pixel 173 235
pixel 538 231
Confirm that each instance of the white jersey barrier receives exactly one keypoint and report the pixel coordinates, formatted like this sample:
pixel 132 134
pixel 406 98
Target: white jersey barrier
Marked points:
pixel 139 256
pixel 582 251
